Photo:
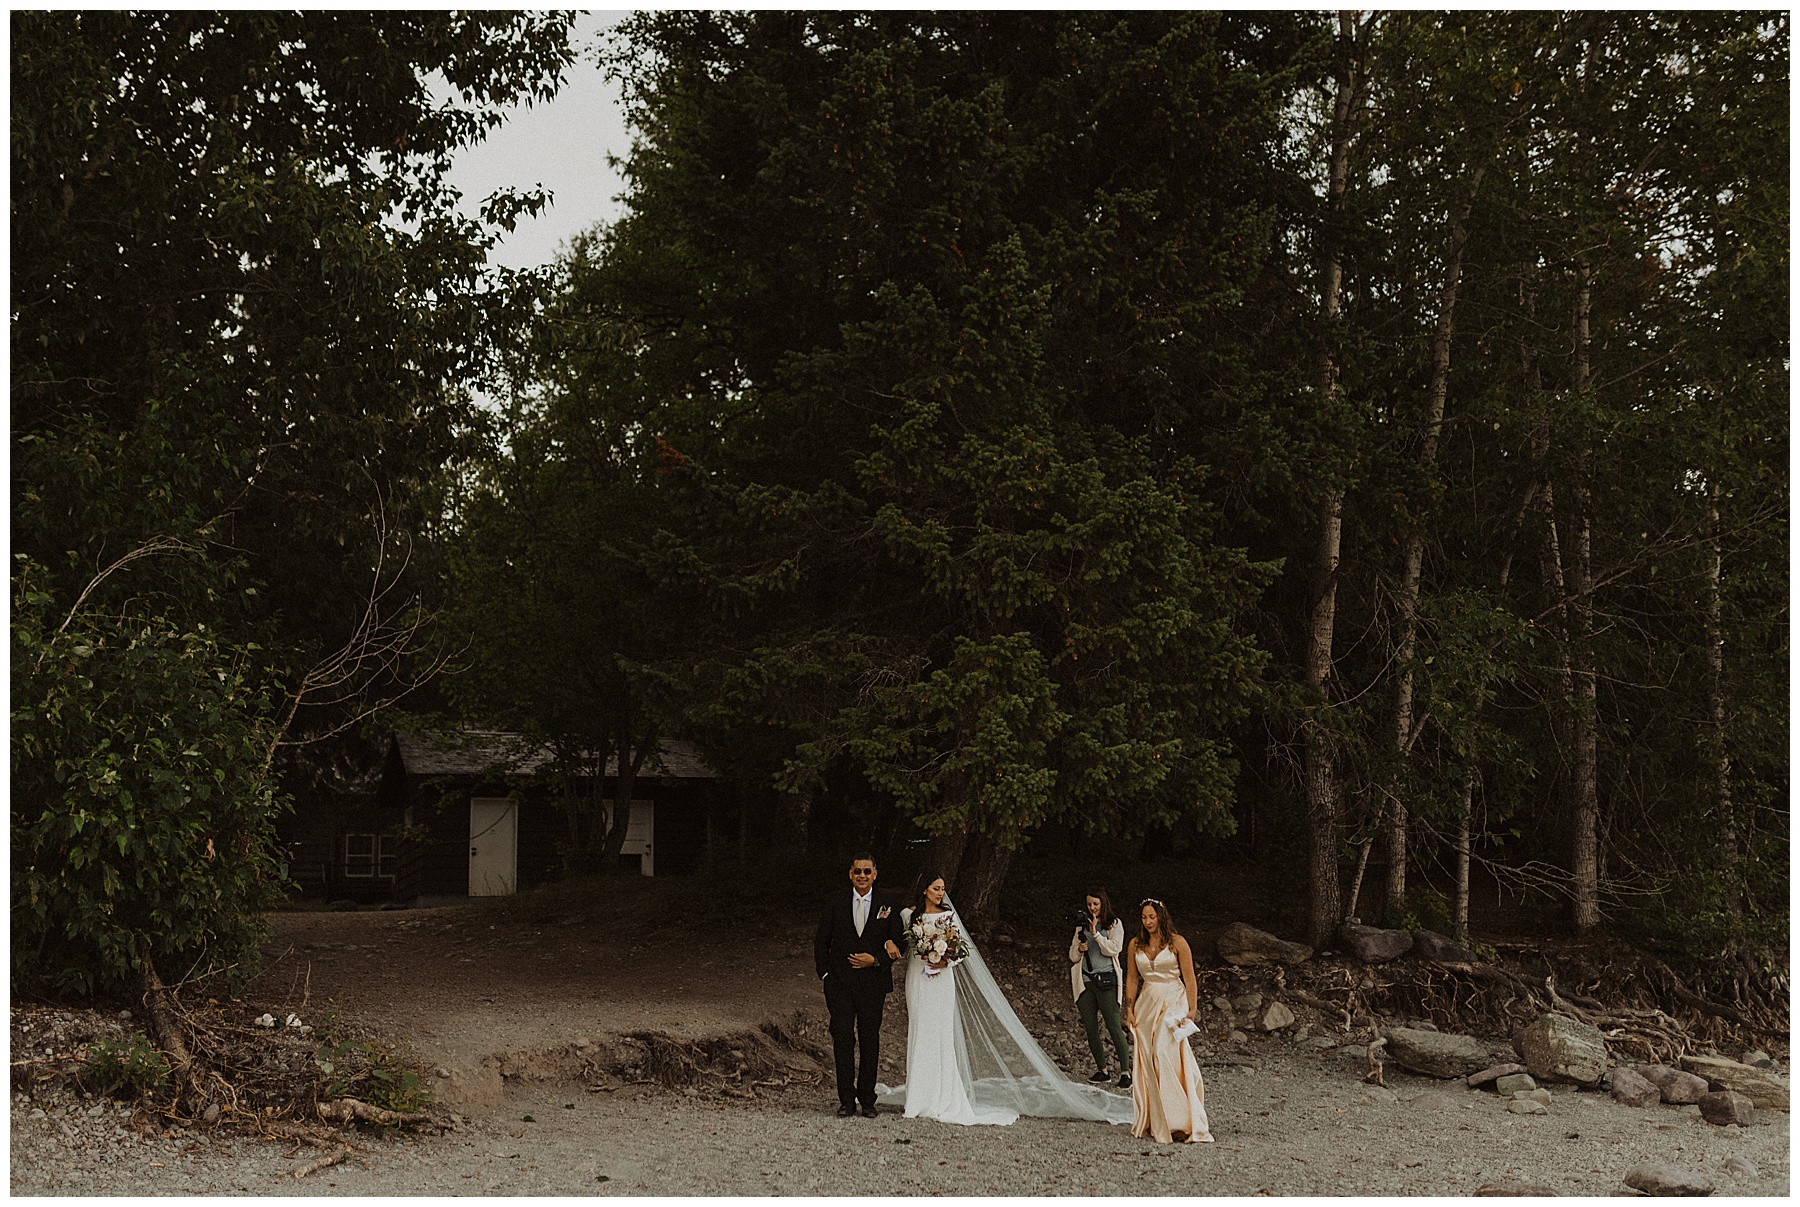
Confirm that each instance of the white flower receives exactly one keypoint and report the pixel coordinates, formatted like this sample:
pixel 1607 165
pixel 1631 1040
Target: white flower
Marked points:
pixel 267 1020
pixel 293 1020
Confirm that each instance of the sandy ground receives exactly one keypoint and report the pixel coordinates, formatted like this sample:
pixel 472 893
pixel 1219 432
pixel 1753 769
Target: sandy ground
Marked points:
pixel 496 997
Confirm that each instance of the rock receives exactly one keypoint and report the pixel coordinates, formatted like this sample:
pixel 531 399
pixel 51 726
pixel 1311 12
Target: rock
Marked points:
pixel 211 1114
pixel 1525 1106
pixel 1243 945
pixel 1764 1089
pixel 442 1071
pixel 1496 1190
pixel 1238 1037
pixel 1220 1003
pixel 1678 1088
pixel 1758 1059
pixel 1655 1178
pixel 1373 945
pixel 1540 1096
pixel 1558 1048
pixel 1740 1167
pixel 1374 1095
pixel 1722 1107
pixel 1275 1016
pixel 1436 1055
pixel 1518 1042
pixel 1440 949
pixel 1492 1074
pixel 1512 1083
pixel 1244 1003
pixel 1631 1088
pixel 1435 1102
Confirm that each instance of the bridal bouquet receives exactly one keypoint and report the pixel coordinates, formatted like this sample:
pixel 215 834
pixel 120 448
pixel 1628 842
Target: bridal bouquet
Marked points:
pixel 932 941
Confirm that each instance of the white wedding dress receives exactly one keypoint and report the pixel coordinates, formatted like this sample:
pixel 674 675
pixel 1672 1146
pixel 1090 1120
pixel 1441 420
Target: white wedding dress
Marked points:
pixel 969 1059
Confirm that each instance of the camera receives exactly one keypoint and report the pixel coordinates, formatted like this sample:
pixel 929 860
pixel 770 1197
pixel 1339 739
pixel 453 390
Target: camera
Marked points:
pixel 1078 919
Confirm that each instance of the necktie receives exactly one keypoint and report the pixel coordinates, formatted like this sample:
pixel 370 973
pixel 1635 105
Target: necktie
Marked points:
pixel 862 912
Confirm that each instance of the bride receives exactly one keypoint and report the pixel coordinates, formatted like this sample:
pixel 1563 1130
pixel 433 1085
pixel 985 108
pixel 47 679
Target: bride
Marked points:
pixel 969 1059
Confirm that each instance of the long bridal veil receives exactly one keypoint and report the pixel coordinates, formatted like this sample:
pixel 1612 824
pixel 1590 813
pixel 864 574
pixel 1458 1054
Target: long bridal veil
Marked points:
pixel 1003 1066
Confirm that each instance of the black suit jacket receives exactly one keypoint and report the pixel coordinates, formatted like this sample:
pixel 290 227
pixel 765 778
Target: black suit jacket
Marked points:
pixel 837 939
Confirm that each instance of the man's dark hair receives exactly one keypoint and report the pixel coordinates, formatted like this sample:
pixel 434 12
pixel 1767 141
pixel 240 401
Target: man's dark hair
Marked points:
pixel 862 855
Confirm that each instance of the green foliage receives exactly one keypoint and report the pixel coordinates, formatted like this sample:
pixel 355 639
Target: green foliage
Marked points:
pixel 247 320
pixel 1424 909
pixel 129 1067
pixel 372 1071
pixel 142 807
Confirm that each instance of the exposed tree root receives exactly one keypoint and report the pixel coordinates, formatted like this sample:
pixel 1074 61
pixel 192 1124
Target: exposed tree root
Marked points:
pixel 312 1167
pixel 351 1110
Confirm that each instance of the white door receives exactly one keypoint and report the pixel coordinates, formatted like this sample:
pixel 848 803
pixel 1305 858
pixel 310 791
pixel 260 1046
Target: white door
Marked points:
pixel 493 847
pixel 640 836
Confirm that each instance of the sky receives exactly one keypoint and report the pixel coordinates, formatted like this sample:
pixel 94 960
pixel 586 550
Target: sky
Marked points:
pixel 563 146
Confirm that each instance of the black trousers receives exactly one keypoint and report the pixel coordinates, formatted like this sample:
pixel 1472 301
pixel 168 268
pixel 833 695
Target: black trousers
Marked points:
pixel 855 1004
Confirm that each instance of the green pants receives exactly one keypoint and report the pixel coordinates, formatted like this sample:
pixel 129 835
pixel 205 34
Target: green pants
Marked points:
pixel 1095 1000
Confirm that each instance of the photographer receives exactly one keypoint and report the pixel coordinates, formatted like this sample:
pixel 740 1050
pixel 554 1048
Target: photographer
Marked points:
pixel 1094 975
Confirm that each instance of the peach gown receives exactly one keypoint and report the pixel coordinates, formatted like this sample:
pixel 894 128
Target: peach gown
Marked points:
pixel 1168 1098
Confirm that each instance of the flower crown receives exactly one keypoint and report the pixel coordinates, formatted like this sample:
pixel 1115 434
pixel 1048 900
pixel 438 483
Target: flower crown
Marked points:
pixel 1152 901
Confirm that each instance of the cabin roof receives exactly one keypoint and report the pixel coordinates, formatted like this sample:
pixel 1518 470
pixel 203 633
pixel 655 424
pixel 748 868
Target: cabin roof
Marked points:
pixel 493 752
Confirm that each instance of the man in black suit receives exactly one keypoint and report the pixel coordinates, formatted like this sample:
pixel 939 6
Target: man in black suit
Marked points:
pixel 857 943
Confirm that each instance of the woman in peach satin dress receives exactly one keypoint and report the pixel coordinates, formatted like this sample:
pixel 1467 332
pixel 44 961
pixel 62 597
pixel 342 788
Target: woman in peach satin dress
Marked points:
pixel 1167 1096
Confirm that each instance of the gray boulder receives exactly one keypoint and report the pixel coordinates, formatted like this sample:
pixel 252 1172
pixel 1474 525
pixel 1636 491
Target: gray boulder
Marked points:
pixel 1512 1083
pixel 1764 1089
pixel 1655 1178
pixel 1678 1088
pixel 1372 945
pixel 1241 944
pixel 1441 949
pixel 1274 1017
pixel 1527 1106
pixel 1488 1076
pixel 1434 1053
pixel 1631 1088
pixel 1557 1048
pixel 1725 1107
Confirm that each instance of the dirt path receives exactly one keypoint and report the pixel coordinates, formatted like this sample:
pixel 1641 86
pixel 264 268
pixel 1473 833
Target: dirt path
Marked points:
pixel 502 997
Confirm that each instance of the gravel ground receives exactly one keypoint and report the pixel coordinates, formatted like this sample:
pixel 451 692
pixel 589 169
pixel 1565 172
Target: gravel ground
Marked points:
pixel 1300 1123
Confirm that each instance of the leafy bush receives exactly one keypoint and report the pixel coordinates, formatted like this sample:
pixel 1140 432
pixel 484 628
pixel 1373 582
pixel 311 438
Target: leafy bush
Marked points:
pixel 132 1064
pixel 142 806
pixel 372 1071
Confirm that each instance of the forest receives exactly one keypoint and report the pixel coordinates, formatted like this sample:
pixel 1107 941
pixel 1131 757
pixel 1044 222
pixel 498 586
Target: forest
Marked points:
pixel 1347 447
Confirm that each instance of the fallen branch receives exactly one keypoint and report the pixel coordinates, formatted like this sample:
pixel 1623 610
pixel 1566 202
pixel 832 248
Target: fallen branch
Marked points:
pixel 321 1163
pixel 350 1110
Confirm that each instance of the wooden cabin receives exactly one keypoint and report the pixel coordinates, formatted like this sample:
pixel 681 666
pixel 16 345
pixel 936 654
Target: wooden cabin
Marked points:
pixel 475 817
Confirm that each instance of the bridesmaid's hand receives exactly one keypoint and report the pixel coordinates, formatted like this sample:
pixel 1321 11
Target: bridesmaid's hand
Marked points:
pixel 1130 1016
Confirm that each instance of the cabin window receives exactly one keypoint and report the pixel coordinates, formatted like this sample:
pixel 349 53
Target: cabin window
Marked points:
pixel 369 855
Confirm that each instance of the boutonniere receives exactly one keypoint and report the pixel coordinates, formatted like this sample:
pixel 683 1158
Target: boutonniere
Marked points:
pixel 883 912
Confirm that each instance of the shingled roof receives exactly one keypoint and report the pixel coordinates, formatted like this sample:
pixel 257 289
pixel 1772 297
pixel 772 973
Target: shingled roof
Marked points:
pixel 491 752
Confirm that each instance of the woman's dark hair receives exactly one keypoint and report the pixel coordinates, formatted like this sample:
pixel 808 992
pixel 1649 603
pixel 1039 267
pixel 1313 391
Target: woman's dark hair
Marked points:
pixel 925 881
pixel 1164 923
pixel 1107 917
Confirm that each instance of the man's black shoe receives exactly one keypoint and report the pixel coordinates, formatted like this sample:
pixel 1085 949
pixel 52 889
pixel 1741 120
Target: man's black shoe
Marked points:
pixel 846 1111
pixel 868 1111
